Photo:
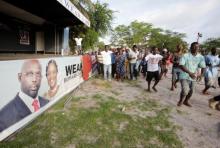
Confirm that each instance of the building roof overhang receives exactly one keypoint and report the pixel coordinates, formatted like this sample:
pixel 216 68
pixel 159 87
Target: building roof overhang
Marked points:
pixel 60 12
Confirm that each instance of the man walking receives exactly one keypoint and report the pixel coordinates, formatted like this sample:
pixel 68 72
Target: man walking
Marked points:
pixel 153 60
pixel 189 63
pixel 106 54
pixel 133 55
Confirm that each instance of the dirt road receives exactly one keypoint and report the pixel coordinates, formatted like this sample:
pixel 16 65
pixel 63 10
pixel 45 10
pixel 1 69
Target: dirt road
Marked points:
pixel 199 125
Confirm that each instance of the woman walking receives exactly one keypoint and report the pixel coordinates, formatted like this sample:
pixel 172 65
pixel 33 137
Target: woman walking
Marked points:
pixel 176 70
pixel 120 67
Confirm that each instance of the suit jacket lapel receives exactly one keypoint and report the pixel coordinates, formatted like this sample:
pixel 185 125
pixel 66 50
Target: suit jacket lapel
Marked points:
pixel 23 110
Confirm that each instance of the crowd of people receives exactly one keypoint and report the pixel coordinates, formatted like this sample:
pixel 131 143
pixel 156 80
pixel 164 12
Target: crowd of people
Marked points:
pixel 188 67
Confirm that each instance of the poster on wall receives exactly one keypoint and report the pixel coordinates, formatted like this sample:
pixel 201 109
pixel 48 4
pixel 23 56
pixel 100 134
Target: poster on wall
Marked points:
pixel 24 38
pixel 29 87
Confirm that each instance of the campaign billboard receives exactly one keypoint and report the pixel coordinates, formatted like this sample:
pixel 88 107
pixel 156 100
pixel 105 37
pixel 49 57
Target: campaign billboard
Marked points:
pixel 30 86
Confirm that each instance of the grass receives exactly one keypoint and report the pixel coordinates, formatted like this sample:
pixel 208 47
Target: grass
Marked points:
pixel 105 126
pixel 131 82
pixel 97 96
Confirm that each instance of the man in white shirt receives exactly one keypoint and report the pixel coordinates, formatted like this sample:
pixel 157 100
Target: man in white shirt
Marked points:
pixel 27 100
pixel 78 44
pixel 153 60
pixel 133 56
pixel 107 63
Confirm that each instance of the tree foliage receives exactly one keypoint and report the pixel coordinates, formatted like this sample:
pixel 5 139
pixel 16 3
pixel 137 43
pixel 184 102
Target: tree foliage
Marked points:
pixel 211 42
pixel 142 33
pixel 100 45
pixel 101 20
pixel 87 4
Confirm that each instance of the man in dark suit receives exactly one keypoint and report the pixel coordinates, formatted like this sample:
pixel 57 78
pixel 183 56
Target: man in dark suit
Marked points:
pixel 27 100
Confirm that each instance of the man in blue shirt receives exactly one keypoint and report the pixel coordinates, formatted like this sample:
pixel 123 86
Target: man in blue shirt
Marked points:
pixel 189 63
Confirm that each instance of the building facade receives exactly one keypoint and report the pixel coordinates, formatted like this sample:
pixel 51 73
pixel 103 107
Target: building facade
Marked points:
pixel 33 26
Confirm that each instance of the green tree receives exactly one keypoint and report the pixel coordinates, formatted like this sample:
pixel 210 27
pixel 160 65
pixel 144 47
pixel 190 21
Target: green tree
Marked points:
pixel 101 18
pixel 87 4
pixel 211 42
pixel 136 33
pixel 121 35
pixel 139 30
pixel 100 45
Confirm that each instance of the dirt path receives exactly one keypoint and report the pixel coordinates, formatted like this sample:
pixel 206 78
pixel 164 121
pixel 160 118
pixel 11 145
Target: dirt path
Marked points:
pixel 199 126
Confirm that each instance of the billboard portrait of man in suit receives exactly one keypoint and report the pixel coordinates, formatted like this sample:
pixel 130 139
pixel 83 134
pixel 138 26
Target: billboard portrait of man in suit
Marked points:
pixel 27 100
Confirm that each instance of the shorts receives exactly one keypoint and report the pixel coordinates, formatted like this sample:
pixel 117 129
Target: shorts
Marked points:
pixel 153 74
pixel 187 87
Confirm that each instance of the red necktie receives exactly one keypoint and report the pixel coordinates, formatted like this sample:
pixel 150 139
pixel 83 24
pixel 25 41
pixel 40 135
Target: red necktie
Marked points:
pixel 35 104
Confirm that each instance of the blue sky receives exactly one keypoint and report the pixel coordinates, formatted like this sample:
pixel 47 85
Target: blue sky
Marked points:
pixel 185 16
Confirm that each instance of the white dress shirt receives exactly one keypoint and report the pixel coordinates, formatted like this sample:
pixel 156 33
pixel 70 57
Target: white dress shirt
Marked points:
pixel 28 100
